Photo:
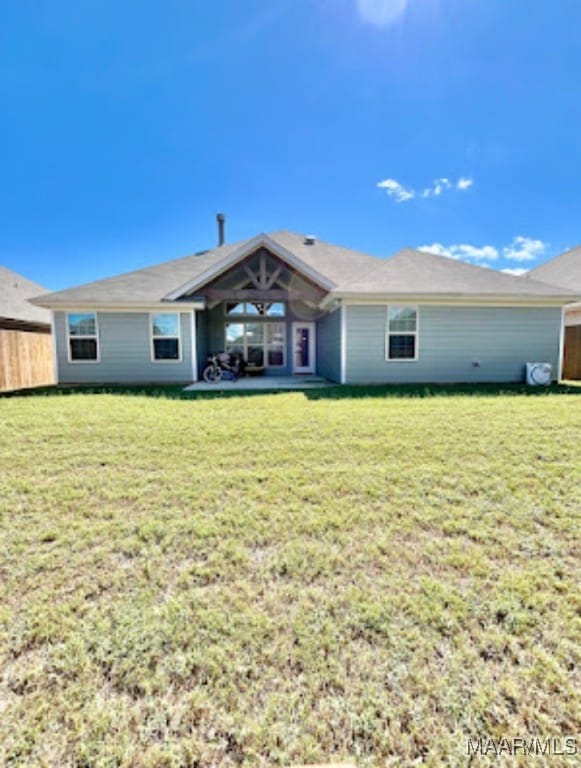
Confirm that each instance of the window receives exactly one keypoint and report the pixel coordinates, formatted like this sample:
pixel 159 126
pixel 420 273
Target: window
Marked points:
pixel 402 333
pixel 165 337
pixel 83 337
pixel 254 308
pixel 261 344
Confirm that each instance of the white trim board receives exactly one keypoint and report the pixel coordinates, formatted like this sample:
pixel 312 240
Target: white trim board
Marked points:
pixel 343 377
pixel 194 343
pixel 449 301
pixel 561 346
pixel 160 307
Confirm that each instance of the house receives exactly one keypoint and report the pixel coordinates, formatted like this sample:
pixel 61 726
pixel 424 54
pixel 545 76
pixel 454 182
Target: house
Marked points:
pixel 26 358
pixel 565 271
pixel 292 304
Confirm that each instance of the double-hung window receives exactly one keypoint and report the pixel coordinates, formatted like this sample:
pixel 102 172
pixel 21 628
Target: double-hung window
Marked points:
pixel 401 342
pixel 83 337
pixel 165 337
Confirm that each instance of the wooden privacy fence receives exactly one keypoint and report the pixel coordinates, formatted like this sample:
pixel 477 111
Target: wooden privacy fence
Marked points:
pixel 25 359
pixel 572 353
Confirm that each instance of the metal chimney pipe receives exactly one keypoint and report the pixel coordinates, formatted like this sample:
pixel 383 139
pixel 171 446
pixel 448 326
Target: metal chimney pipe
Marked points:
pixel 221 219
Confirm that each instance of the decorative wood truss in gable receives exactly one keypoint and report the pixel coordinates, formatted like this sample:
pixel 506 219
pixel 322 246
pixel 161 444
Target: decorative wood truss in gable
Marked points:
pixel 262 276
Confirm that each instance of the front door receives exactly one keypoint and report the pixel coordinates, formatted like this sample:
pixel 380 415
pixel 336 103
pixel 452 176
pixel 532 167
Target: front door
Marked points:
pixel 303 347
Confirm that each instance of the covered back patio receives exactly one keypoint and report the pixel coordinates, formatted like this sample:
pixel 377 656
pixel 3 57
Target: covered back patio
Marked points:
pixel 264 310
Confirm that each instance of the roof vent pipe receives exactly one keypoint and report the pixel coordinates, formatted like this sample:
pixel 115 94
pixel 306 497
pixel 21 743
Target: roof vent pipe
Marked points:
pixel 221 219
pixel 310 239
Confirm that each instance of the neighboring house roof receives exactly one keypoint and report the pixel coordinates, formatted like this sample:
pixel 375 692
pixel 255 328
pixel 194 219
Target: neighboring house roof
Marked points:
pixel 15 292
pixel 563 270
pixel 340 271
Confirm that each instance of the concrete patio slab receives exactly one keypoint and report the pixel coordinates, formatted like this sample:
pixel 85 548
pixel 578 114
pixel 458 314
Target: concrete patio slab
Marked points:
pixel 254 383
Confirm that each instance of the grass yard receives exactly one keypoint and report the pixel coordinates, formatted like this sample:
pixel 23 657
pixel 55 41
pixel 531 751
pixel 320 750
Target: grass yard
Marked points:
pixel 253 581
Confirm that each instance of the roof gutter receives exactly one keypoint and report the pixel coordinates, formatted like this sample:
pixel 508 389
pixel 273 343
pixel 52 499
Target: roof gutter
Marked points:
pixel 353 297
pixel 95 306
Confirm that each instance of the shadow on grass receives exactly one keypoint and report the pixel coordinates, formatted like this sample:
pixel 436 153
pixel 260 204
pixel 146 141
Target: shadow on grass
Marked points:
pixel 332 392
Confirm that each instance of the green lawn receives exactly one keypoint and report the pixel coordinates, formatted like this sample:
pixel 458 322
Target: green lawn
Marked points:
pixel 287 578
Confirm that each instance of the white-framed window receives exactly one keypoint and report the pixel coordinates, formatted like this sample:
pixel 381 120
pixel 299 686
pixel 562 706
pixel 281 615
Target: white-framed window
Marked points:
pixel 261 344
pixel 83 337
pixel 256 308
pixel 401 337
pixel 165 337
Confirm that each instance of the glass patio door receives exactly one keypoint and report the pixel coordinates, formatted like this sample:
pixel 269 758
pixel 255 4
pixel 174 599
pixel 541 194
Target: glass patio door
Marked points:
pixel 303 347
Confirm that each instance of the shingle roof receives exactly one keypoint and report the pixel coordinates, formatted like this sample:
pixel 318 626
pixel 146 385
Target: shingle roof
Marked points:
pixel 421 273
pixel 342 266
pixel 152 284
pixel 148 285
pixel 15 291
pixel 408 272
pixel 563 270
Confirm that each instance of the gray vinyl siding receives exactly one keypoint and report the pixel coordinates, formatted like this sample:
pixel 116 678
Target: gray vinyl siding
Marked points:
pixel 125 352
pixel 502 340
pixel 329 346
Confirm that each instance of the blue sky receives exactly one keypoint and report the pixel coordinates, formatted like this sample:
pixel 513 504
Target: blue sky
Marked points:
pixel 375 124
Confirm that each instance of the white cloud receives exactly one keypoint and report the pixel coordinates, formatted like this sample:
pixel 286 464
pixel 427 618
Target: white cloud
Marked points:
pixel 381 13
pixel 439 186
pixel 463 251
pixel 402 194
pixel 517 271
pixel 396 190
pixel 439 250
pixel 487 252
pixel 524 249
pixel 520 249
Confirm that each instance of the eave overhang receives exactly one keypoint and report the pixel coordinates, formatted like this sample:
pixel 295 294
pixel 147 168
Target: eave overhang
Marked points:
pixel 196 303
pixel 454 299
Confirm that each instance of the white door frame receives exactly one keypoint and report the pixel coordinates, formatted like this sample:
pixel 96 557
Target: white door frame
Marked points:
pixel 312 347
